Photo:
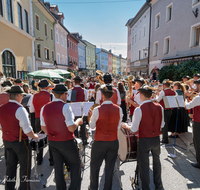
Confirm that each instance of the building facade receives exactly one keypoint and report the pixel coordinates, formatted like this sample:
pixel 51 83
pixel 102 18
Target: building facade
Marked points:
pixel 118 66
pixel 175 32
pixel 43 30
pixel 123 65
pixel 102 59
pixel 90 57
pixel 114 65
pixel 110 62
pixel 73 63
pixel 16 41
pixel 60 38
pixel 138 41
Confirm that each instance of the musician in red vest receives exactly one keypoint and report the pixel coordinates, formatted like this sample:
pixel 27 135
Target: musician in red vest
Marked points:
pixel 4 96
pixel 148 119
pixel 167 91
pixel 91 84
pixel 36 103
pixel 116 99
pixel 79 94
pixel 57 120
pixel 135 99
pixel 107 120
pixel 195 104
pixel 14 116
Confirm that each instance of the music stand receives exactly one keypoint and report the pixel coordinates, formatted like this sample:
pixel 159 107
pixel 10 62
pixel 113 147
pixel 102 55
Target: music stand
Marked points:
pixel 173 102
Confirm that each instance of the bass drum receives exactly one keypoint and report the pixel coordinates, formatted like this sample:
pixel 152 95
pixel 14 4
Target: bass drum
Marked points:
pixel 127 145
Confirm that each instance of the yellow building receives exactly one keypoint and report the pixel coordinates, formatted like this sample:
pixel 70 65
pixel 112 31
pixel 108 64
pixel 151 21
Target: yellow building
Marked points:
pixel 114 65
pixel 16 41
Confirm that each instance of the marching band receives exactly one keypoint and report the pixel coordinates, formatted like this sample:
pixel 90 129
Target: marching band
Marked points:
pixel 49 112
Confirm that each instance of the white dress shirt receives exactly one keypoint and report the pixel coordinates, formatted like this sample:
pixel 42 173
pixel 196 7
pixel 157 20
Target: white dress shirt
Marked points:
pixel 66 111
pixel 88 84
pixel 22 115
pixel 137 116
pixel 162 93
pixel 95 116
pixel 195 102
pixel 137 98
pixel 98 97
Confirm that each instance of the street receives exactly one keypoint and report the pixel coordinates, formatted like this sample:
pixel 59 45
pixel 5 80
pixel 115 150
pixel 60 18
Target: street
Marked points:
pixel 177 173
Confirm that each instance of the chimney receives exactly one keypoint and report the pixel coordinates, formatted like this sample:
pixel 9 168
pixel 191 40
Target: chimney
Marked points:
pixel 120 55
pixel 110 51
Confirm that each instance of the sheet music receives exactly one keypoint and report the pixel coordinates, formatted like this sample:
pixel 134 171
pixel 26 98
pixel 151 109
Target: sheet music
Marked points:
pixel 86 107
pixel 170 102
pixel 180 101
pixel 69 95
pixel 76 108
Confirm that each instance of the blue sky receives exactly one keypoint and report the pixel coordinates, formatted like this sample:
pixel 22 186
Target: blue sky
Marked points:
pixel 102 24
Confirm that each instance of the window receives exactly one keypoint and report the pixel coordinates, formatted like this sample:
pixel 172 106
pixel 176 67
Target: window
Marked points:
pixel 38 50
pixel 45 29
pixel 157 24
pixel 26 21
pixel 139 34
pixel 144 31
pixel 197 36
pixel 155 50
pixel 139 54
pixel 66 43
pixel 52 55
pixel 9 10
pixel 22 75
pixel 73 46
pixel 51 33
pixel 195 1
pixel 1 8
pixel 169 13
pixel 46 53
pixel 57 38
pixel 63 59
pixel 8 63
pixel 62 41
pixel 19 9
pixel 166 46
pixel 37 22
pixel 58 58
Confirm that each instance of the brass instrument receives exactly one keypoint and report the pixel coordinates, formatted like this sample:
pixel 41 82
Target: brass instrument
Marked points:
pixel 90 110
pixel 100 77
pixel 192 94
pixel 130 90
pixel 72 75
pixel 189 81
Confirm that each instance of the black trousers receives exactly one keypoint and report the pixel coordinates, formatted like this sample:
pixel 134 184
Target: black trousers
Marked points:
pixel 40 154
pixel 18 152
pixel 167 117
pixel 196 140
pixel 103 150
pixel 146 145
pixel 66 150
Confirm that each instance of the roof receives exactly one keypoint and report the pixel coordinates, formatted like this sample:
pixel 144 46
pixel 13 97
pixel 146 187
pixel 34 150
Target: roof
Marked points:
pixel 76 39
pixel 89 42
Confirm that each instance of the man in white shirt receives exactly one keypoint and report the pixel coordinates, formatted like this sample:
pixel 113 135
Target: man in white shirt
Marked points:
pixel 148 119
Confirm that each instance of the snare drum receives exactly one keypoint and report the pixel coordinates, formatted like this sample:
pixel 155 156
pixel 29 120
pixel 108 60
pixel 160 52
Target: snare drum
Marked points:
pixel 127 145
pixel 40 143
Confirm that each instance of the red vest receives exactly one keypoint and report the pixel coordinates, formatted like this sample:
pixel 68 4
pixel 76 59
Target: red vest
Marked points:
pixel 132 107
pixel 114 97
pixel 55 122
pixel 9 123
pixel 91 86
pixel 150 125
pixel 168 92
pixel 107 123
pixel 80 96
pixel 4 98
pixel 39 100
pixel 196 114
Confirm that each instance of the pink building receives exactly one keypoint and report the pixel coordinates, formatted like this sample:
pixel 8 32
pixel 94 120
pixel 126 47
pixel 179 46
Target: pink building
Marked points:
pixel 110 62
pixel 61 33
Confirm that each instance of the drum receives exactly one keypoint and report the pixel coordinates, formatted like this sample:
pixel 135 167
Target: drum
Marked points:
pixel 127 145
pixel 41 142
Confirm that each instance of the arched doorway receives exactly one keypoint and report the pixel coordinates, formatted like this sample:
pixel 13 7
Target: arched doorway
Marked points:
pixel 8 64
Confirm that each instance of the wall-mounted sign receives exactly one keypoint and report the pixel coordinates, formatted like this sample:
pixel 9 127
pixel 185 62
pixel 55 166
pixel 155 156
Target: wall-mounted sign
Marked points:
pixel 136 64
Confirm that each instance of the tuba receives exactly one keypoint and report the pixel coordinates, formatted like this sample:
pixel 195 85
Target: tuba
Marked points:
pixel 100 77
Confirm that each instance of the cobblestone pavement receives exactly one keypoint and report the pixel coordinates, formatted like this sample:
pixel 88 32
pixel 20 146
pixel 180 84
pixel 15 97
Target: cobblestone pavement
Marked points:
pixel 177 174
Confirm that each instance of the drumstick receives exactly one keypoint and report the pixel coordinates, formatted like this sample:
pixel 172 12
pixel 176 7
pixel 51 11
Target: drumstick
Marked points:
pixel 39 132
pixel 20 135
pixel 83 115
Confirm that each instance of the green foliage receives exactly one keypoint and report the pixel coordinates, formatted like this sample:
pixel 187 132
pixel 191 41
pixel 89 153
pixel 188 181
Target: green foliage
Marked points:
pixel 176 73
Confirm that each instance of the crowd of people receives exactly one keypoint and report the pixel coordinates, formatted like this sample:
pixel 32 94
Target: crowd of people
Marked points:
pixel 26 111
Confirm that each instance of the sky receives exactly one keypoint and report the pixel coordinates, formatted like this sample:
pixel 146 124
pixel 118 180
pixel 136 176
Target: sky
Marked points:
pixel 101 22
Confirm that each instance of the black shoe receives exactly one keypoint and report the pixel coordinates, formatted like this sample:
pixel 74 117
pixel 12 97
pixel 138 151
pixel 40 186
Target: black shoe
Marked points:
pixel 39 163
pixel 51 163
pixel 195 165
pixel 177 136
pixel 165 142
